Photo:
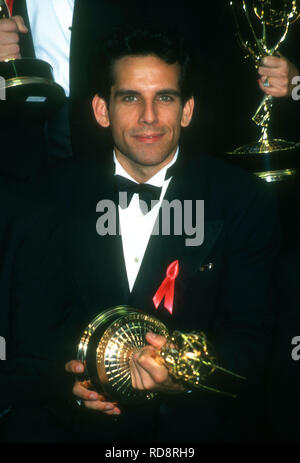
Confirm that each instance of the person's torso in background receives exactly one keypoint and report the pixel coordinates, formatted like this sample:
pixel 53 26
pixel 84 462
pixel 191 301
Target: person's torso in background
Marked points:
pixel 51 22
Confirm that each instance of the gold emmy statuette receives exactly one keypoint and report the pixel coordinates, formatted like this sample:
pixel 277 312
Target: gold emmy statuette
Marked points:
pixel 262 25
pixel 110 340
pixel 28 80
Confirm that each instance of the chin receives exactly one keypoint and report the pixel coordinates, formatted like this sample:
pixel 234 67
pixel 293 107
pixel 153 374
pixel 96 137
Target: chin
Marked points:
pixel 150 158
pixel 150 161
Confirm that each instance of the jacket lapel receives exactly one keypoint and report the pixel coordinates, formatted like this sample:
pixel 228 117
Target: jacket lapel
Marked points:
pixel 163 250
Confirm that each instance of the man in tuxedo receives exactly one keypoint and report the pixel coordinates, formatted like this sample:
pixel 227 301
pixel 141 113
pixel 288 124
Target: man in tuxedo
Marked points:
pixel 223 286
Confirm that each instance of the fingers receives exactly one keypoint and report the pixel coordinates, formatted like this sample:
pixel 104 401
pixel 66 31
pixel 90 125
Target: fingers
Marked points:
pixel 156 340
pixel 13 24
pixel 9 38
pixel 81 390
pixel 136 379
pixel 146 372
pixel 19 21
pixel 279 73
pixel 274 61
pixel 91 399
pixel 275 88
pixel 74 366
pixel 10 52
pixel 94 401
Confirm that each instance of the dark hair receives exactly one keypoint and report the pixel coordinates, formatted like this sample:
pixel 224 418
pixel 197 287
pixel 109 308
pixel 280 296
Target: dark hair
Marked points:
pixel 168 45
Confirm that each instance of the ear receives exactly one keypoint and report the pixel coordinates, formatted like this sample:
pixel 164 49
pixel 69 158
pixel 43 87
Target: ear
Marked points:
pixel 187 112
pixel 100 111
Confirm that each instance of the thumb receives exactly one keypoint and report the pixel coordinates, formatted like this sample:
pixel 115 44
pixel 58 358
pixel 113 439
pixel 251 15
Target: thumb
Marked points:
pixel 20 24
pixel 156 340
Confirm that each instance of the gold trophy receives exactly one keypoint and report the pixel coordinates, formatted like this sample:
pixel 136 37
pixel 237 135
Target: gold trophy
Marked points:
pixel 262 26
pixel 28 80
pixel 110 340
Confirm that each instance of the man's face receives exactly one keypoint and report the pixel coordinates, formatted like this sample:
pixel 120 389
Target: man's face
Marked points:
pixel 145 111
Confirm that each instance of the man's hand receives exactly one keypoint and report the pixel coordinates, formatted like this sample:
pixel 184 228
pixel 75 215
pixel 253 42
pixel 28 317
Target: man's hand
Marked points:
pixel 9 37
pixel 279 72
pixel 148 371
pixel 91 399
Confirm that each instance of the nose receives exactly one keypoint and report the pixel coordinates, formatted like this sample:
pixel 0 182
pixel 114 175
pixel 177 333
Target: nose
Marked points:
pixel 148 113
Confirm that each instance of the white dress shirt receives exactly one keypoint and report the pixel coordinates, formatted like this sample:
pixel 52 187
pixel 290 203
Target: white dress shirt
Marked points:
pixel 136 227
pixel 50 21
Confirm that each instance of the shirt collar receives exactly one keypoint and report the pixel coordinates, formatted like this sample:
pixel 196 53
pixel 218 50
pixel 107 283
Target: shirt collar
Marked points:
pixel 157 180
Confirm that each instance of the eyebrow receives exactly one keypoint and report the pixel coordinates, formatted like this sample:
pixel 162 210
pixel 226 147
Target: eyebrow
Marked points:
pixel 169 91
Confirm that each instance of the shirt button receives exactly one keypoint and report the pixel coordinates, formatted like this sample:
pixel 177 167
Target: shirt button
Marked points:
pixel 136 260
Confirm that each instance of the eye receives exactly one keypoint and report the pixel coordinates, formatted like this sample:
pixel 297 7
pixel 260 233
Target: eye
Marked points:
pixel 130 98
pixel 166 98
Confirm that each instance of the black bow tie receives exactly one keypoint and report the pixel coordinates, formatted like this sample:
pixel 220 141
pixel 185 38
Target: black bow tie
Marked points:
pixel 146 192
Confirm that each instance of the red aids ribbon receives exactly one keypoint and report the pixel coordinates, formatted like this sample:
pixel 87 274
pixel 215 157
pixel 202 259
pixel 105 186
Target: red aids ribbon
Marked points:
pixel 10 3
pixel 166 289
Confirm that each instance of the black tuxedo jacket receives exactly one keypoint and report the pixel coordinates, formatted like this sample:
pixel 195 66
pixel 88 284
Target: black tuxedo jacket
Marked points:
pixel 81 273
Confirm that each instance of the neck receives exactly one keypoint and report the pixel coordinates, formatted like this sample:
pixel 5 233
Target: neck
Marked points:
pixel 140 172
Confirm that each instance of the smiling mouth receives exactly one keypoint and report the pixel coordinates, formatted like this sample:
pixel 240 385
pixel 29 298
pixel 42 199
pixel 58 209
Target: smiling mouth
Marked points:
pixel 149 138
